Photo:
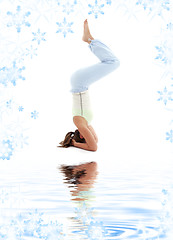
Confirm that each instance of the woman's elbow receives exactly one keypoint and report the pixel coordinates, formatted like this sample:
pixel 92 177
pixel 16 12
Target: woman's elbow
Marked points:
pixel 93 148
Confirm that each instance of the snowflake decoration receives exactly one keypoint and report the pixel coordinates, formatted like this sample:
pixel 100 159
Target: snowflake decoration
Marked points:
pixel 15 130
pixel 14 230
pixel 34 114
pixel 51 231
pixel 156 6
pixel 38 36
pixel 35 216
pixel 164 53
pixel 68 7
pixel 6 149
pixel 31 52
pixel 64 27
pixel 96 9
pixel 169 136
pixel 20 108
pixel 11 74
pixel 164 197
pixel 108 2
pixel 166 218
pixel 96 231
pixel 145 4
pixel 84 214
pixel 18 19
pixel 170 26
pixel 31 225
pixel 4 195
pixel 165 96
pixel 165 192
pixel 19 140
pixel 18 227
pixel 4 232
pixel 3 76
pixel 6 107
pixel 33 222
pixel 58 2
pixel 9 104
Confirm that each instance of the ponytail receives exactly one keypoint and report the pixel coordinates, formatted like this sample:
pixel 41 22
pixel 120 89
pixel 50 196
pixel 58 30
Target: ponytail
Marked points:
pixel 68 139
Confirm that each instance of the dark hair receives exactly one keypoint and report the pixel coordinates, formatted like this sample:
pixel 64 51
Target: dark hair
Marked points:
pixel 70 176
pixel 67 142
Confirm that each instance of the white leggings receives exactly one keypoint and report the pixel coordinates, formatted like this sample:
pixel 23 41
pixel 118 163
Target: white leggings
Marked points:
pixel 83 78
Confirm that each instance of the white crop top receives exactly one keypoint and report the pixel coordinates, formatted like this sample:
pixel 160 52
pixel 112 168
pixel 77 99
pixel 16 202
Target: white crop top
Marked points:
pixel 81 105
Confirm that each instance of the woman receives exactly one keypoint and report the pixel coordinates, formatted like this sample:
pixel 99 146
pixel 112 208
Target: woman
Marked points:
pixel 85 137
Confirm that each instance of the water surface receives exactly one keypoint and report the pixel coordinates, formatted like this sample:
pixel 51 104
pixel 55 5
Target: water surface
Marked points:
pixel 85 201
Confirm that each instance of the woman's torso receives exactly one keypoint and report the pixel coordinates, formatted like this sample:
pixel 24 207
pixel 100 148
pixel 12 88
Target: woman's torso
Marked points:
pixel 81 106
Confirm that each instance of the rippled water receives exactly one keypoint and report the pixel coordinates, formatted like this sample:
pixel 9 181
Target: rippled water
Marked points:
pixel 85 201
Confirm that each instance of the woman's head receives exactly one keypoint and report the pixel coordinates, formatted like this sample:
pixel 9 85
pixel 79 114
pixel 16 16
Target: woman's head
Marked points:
pixel 67 142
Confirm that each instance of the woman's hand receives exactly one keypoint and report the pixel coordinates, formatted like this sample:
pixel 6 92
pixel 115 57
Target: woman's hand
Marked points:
pixel 73 142
pixel 91 143
pixel 82 145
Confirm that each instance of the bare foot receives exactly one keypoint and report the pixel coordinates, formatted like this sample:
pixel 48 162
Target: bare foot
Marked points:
pixel 87 37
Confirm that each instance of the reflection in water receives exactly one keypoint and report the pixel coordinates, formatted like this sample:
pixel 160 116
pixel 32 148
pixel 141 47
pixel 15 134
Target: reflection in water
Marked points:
pixel 117 205
pixel 80 178
pixel 87 222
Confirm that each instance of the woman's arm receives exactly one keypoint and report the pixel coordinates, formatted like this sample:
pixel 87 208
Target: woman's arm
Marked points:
pixel 93 132
pixel 90 144
pixel 82 145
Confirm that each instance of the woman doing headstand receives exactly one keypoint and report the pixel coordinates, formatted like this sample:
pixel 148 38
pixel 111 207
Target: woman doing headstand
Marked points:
pixel 85 137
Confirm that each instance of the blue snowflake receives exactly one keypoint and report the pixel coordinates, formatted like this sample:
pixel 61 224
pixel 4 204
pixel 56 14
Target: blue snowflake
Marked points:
pixel 152 5
pixel 20 108
pixel 19 140
pixel 6 149
pixel 31 225
pixel 64 27
pixel 165 192
pixel 3 76
pixel 3 231
pixel 38 36
pixel 11 74
pixel 4 195
pixel 165 4
pixel 169 136
pixel 17 226
pixel 58 2
pixel 18 19
pixel 96 9
pixel 165 96
pixel 145 3
pixel 34 114
pixel 36 227
pixel 84 213
pixel 68 7
pixel 108 2
pixel 170 26
pixel 33 221
pixel 164 53
pixel 96 231
pixel 51 231
pixel 31 52
pixel 9 104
